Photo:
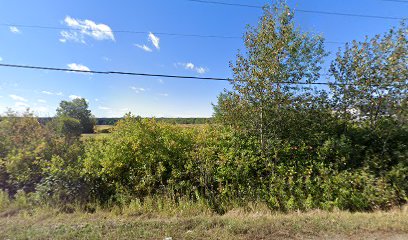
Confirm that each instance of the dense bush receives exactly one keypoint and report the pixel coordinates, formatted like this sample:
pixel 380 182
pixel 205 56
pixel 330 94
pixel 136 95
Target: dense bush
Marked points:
pixel 140 158
pixel 358 170
pixel 143 158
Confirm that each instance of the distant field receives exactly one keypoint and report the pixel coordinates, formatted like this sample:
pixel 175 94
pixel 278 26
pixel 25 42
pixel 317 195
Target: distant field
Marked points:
pixel 94 135
pixel 104 130
pixel 47 224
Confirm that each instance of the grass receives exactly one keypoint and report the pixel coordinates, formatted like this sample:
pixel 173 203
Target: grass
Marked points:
pixel 104 130
pixel 94 135
pixel 195 223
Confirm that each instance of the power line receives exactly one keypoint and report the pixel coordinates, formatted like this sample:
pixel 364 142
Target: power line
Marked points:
pixel 114 31
pixel 302 10
pixel 162 75
pixel 135 32
pixel 227 4
pixel 110 72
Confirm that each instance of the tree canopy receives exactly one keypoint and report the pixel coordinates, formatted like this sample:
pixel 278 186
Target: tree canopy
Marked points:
pixel 266 96
pixel 371 78
pixel 78 109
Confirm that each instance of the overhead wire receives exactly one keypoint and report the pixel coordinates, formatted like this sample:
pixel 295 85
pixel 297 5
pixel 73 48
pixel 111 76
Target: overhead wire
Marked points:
pixel 136 32
pixel 163 75
pixel 302 10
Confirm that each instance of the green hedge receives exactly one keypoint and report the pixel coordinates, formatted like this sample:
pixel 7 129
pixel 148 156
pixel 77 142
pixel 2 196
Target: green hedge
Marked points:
pixel 214 164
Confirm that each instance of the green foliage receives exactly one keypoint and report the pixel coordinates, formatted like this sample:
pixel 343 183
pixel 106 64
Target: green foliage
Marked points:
pixel 24 145
pixel 370 78
pixel 274 144
pixel 266 101
pixel 214 165
pixel 66 126
pixel 62 180
pixel 140 157
pixel 78 109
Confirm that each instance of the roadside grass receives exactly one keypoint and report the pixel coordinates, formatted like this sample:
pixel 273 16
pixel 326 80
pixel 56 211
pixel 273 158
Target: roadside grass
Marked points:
pixel 198 222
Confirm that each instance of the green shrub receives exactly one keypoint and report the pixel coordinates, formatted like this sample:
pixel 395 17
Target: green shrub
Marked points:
pixel 143 161
pixel 141 157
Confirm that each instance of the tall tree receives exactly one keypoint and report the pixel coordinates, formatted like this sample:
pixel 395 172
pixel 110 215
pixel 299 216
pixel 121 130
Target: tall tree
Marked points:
pixel 266 100
pixel 371 78
pixel 78 109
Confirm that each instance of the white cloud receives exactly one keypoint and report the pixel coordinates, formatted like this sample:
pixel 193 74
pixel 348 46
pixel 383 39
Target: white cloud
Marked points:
pixel 40 110
pixel 14 29
pixel 106 59
pixel 17 98
pixel 138 90
pixel 80 29
pixel 78 67
pixel 164 94
pixel 103 108
pixel 1 59
pixel 51 93
pixel 21 104
pixel 71 36
pixel 201 70
pixel 191 66
pixel 46 92
pixel 155 40
pixel 144 47
pixel 72 97
pixel 41 101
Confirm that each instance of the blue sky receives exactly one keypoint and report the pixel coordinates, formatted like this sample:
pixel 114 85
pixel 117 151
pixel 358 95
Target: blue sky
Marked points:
pixel 112 96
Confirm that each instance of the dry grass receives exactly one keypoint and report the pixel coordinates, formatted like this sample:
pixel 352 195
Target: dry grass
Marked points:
pixel 237 224
pixel 100 128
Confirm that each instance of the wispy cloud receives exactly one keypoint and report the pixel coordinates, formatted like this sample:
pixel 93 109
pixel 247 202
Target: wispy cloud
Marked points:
pixel 164 94
pixel 78 67
pixel 191 66
pixel 144 47
pixel 21 104
pixel 72 97
pixel 14 29
pixel 40 110
pixel 41 101
pixel 51 93
pixel 80 29
pixel 17 98
pixel 1 59
pixel 155 40
pixel 201 70
pixel 138 90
